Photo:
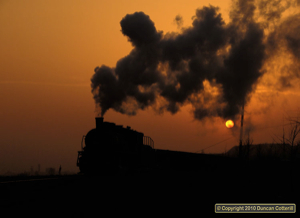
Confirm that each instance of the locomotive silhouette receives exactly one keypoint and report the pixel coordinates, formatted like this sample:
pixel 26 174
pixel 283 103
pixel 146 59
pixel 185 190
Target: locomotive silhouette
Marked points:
pixel 110 147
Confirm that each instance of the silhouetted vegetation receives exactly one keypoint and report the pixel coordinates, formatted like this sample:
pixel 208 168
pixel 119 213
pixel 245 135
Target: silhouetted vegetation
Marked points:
pixel 267 151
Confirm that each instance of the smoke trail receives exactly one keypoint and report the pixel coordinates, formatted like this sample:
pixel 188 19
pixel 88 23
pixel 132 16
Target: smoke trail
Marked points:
pixel 211 65
pixel 179 21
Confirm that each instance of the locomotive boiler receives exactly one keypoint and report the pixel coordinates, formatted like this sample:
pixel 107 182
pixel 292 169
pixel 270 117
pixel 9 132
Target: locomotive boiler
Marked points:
pixel 110 147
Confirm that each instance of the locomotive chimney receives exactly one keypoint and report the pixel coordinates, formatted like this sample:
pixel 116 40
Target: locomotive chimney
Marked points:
pixel 99 122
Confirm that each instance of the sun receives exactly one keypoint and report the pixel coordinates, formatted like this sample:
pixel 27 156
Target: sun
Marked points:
pixel 229 124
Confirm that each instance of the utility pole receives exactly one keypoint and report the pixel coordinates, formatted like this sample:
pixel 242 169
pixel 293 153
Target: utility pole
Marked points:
pixel 241 133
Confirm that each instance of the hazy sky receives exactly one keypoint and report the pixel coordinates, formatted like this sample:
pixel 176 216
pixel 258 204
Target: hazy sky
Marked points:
pixel 49 50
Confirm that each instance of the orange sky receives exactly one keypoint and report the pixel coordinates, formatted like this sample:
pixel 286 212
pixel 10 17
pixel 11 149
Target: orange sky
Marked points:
pixel 49 50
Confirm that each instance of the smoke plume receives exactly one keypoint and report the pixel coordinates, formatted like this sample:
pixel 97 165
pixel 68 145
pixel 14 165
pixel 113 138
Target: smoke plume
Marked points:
pixel 211 65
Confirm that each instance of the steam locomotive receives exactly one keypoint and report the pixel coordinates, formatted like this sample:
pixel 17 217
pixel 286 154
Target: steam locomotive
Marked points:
pixel 110 147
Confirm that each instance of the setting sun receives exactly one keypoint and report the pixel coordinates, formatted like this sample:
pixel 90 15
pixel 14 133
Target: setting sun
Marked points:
pixel 229 124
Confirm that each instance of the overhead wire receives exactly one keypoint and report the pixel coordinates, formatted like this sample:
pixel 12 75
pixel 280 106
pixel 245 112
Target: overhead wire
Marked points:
pixel 215 144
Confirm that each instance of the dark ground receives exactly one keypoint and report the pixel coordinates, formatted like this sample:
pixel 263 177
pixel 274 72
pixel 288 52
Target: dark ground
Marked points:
pixel 159 191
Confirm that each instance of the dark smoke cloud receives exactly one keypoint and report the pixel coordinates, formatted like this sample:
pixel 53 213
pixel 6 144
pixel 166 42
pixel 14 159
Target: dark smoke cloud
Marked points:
pixel 284 40
pixel 139 29
pixel 212 65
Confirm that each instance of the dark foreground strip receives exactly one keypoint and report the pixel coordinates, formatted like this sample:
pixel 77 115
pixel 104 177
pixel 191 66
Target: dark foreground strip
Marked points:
pixel 28 180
